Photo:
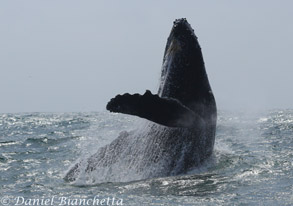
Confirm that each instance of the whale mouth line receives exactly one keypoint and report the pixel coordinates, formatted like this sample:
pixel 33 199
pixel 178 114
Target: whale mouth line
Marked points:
pixel 174 47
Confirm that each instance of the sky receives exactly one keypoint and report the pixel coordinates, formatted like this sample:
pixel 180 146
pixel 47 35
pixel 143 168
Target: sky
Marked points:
pixel 74 56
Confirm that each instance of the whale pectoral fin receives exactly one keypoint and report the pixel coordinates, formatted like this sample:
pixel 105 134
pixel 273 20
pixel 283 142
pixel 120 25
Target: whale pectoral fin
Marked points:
pixel 165 111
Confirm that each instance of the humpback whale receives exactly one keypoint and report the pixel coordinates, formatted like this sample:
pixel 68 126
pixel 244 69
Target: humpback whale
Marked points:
pixel 180 125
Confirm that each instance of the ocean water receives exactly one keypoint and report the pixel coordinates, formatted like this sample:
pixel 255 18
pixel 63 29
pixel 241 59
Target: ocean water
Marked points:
pixel 252 162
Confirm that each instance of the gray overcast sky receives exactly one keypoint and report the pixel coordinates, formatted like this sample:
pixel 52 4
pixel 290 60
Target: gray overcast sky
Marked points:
pixel 59 56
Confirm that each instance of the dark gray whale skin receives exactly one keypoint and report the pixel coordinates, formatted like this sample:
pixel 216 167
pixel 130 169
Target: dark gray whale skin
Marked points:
pixel 180 133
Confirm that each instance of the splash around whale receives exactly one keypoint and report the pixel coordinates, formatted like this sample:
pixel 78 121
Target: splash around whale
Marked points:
pixel 180 126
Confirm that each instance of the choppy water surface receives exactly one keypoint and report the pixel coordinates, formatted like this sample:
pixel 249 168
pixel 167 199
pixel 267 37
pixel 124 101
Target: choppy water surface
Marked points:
pixel 252 162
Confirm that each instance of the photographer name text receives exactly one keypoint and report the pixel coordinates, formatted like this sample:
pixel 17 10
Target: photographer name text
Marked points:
pixel 60 201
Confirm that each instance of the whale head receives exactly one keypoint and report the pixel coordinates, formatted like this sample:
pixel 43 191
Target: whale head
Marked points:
pixel 183 74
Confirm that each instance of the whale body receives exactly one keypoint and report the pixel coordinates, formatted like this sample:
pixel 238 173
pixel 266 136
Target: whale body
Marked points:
pixel 180 126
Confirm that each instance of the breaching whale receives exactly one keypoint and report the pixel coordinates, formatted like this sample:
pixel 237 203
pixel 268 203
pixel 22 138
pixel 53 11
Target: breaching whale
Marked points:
pixel 180 132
